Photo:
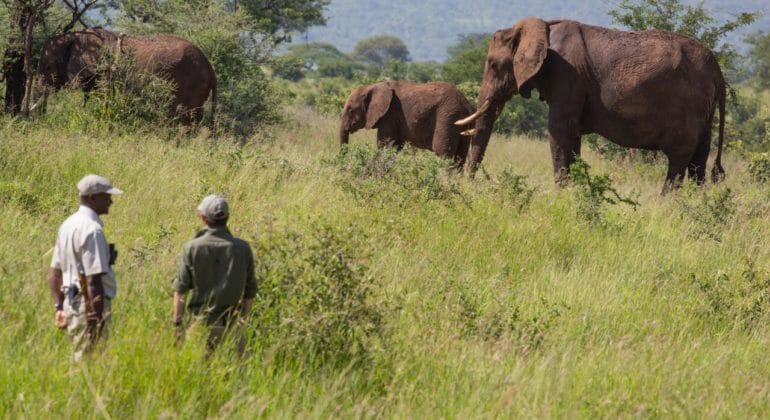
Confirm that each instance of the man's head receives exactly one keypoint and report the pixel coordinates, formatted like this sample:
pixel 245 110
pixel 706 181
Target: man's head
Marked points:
pixel 96 193
pixel 214 210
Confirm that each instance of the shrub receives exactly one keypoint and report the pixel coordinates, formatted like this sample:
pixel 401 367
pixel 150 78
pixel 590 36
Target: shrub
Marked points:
pixel 384 177
pixel 315 301
pixel 523 116
pixel 513 190
pixel 759 167
pixel 709 213
pixel 129 98
pixel 594 193
pixel 742 300
pixel 526 329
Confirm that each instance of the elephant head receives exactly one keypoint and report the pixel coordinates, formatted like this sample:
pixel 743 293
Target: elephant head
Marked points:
pixel 364 107
pixel 514 58
pixel 70 59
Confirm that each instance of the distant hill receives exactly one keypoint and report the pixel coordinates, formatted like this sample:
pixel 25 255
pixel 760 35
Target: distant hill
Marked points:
pixel 428 27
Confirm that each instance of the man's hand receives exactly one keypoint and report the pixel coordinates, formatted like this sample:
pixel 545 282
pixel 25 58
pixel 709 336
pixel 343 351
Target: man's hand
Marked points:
pixel 61 320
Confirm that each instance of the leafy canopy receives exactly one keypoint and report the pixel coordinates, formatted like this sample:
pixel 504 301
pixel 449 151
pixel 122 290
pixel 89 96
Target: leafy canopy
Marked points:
pixel 466 59
pixel 693 21
pixel 759 57
pixel 379 49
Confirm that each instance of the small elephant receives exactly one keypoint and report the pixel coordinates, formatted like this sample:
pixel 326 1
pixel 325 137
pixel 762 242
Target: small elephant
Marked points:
pixel 73 59
pixel 654 90
pixel 421 113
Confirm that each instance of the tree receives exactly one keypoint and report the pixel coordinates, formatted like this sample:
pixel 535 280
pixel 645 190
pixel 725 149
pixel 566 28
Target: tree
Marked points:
pixel 318 58
pixel 692 21
pixel 466 59
pixel 20 46
pixel 759 57
pixel 270 20
pixel 281 18
pixel 379 49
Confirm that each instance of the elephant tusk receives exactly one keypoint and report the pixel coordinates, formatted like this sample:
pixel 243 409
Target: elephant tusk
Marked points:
pixel 471 132
pixel 469 119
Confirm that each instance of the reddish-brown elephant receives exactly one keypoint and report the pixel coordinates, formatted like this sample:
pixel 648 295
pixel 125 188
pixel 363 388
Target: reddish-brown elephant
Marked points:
pixel 73 59
pixel 420 113
pixel 652 90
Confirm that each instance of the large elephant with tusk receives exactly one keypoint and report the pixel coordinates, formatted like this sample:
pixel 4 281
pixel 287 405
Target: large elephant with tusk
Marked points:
pixel 73 59
pixel 654 90
pixel 420 113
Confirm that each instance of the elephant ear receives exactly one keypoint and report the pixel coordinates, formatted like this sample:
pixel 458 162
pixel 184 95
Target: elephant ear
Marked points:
pixel 379 98
pixel 530 46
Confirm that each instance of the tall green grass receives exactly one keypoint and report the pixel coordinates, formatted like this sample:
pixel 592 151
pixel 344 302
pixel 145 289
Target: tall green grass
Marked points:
pixel 432 295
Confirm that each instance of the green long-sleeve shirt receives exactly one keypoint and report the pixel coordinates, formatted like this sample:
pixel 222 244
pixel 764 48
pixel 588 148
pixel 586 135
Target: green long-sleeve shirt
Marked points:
pixel 219 269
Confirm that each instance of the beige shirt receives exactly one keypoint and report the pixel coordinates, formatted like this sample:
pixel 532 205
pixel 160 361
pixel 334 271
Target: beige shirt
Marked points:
pixel 82 248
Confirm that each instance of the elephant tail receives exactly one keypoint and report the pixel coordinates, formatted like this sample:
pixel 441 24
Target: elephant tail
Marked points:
pixel 717 172
pixel 213 102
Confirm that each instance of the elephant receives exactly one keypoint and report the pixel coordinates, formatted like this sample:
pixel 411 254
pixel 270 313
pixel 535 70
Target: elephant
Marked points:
pixel 421 113
pixel 653 89
pixel 73 58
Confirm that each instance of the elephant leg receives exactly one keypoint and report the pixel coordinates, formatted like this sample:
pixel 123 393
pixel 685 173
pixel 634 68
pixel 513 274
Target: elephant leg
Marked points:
pixel 449 145
pixel 696 170
pixel 565 147
pixel 676 170
pixel 461 153
pixel 389 136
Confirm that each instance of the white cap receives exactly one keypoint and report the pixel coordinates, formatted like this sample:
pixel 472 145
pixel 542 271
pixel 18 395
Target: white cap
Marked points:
pixel 95 184
pixel 214 207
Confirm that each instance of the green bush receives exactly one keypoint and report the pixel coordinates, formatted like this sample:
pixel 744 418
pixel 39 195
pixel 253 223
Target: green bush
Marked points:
pixel 315 301
pixel 513 190
pixel 742 301
pixel 129 98
pixel 594 193
pixel 523 116
pixel 759 167
pixel 526 329
pixel 384 177
pixel 748 125
pixel 709 213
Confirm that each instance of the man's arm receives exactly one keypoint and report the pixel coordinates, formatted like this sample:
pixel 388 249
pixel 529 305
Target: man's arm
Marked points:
pixel 95 299
pixel 96 294
pixel 179 301
pixel 55 283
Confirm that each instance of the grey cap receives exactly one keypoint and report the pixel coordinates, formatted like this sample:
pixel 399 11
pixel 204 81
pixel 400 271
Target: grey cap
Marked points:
pixel 214 207
pixel 95 184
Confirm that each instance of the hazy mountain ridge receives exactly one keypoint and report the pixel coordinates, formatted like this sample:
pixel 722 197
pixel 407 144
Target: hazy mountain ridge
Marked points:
pixel 429 27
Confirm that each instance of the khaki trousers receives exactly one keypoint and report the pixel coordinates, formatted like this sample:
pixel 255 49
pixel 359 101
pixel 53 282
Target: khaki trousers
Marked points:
pixel 75 313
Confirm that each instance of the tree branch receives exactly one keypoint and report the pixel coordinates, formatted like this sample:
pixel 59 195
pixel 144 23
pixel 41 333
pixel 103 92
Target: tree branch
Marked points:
pixel 77 13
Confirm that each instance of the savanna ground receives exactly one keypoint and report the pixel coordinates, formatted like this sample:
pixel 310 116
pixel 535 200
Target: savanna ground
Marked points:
pixel 389 289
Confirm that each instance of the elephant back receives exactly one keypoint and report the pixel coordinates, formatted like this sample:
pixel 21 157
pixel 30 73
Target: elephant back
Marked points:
pixel 157 54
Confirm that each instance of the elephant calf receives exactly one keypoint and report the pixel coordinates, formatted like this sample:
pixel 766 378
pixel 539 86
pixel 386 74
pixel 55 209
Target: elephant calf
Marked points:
pixel 421 113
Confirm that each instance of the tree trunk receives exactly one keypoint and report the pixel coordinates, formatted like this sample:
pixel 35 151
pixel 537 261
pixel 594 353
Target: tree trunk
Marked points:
pixel 13 61
pixel 29 30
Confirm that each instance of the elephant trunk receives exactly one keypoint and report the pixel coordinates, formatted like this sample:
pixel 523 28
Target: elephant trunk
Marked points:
pixel 480 140
pixel 344 135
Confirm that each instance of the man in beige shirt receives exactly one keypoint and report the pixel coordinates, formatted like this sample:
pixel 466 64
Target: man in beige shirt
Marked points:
pixel 80 276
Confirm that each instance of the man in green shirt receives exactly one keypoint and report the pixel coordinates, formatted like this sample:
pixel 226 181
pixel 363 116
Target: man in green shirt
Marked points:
pixel 219 269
